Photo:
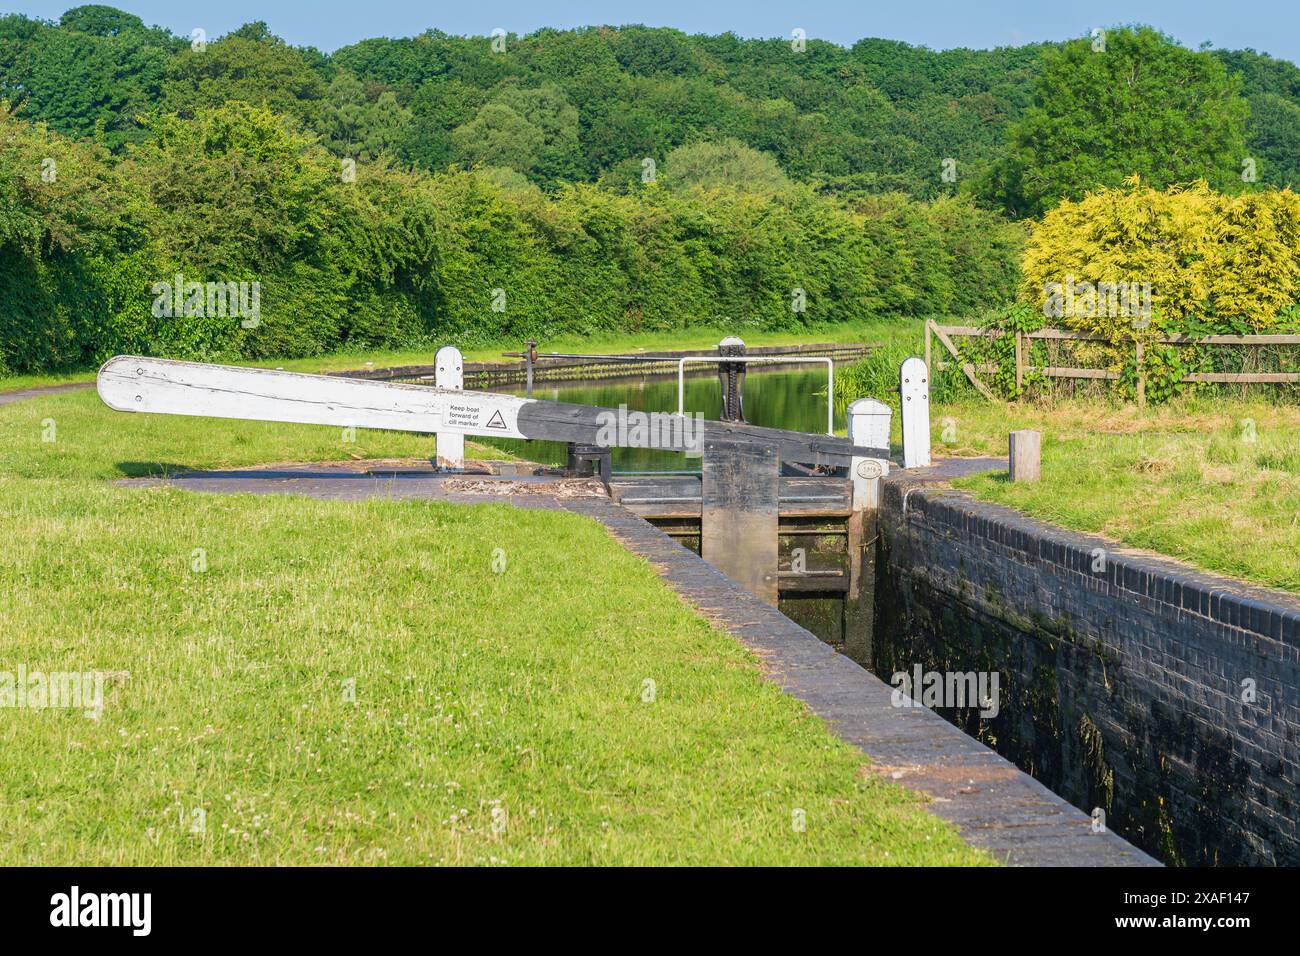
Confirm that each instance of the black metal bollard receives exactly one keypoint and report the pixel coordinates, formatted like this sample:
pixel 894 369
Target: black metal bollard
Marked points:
pixel 588 460
pixel 731 376
pixel 531 360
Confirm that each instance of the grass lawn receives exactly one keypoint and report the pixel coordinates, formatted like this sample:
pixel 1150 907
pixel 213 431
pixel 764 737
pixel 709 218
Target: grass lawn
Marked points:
pixel 351 682
pixel 14 383
pixel 1210 481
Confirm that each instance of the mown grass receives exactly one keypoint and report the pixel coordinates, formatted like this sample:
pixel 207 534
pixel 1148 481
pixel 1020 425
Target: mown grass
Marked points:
pixel 1213 482
pixel 15 383
pixel 1210 480
pixel 497 717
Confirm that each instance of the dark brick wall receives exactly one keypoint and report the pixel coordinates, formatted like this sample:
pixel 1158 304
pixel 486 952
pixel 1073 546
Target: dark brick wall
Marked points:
pixel 1122 687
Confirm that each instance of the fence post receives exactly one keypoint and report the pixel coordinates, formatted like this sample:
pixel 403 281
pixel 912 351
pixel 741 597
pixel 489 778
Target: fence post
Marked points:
pixel 928 324
pixel 914 402
pixel 1141 379
pixel 449 372
pixel 1020 366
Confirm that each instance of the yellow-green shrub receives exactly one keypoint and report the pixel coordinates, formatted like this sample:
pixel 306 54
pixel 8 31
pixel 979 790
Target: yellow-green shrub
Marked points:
pixel 1209 257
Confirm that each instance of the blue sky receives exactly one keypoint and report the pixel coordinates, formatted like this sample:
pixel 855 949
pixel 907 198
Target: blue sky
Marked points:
pixel 1271 26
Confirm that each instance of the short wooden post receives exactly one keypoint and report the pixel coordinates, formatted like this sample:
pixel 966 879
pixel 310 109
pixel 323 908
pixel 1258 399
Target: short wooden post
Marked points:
pixel 914 402
pixel 449 372
pixel 868 428
pixel 738 520
pixel 1023 448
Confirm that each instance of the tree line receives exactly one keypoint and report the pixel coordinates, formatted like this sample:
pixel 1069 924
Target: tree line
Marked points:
pixel 102 254
pixel 590 105
pixel 403 190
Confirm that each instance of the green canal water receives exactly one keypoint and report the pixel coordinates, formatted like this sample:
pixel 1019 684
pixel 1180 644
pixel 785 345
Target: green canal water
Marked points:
pixel 779 398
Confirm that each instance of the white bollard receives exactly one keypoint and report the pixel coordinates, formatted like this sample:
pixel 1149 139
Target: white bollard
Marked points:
pixel 449 372
pixel 869 428
pixel 914 401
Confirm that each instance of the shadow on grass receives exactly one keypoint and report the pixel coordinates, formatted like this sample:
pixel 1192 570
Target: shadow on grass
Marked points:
pixel 151 469
pixel 164 469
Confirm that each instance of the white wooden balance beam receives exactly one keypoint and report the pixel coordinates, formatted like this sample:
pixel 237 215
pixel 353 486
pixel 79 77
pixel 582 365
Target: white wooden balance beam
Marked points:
pixel 131 383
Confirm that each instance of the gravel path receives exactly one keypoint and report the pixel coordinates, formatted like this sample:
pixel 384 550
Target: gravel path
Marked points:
pixel 23 394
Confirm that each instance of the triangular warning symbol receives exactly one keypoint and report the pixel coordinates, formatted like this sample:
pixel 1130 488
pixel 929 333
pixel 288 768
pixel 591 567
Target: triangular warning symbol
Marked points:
pixel 496 421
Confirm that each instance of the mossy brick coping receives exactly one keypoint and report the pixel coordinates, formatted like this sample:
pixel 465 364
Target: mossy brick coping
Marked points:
pixel 997 807
pixel 1209 776
pixel 1147 578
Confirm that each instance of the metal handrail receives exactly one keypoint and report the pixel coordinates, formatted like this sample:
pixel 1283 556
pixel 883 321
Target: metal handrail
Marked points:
pixel 647 357
pixel 761 359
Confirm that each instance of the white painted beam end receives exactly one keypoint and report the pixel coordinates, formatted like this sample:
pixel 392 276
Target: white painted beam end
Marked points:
pixel 449 372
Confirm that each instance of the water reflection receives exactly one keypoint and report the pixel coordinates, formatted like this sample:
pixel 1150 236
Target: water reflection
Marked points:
pixel 778 398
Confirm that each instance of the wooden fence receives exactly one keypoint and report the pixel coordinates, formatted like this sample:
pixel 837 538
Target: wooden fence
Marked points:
pixel 946 333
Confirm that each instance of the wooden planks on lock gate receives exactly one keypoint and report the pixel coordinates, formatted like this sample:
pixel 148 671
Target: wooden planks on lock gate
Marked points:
pixel 739 510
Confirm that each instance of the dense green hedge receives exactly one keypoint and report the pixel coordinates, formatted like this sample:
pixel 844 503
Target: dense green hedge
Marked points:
pixel 399 258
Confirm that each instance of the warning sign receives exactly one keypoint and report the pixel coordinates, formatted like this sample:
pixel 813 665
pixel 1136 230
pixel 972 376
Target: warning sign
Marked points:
pixel 463 416
pixel 496 421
